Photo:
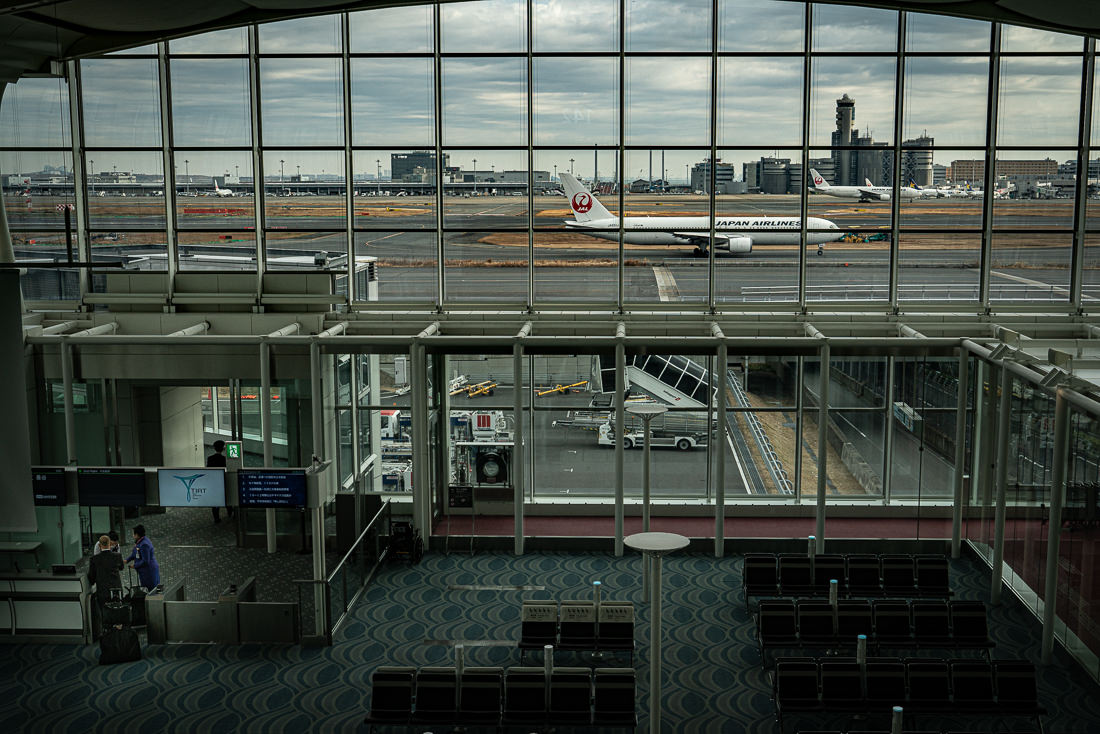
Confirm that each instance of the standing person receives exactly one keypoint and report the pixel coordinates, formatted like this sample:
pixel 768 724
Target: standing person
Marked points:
pixel 217 459
pixel 103 571
pixel 111 543
pixel 144 560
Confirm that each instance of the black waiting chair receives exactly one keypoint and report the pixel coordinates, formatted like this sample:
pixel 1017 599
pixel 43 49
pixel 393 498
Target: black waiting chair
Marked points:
pixel 577 628
pixel 816 623
pixel 885 681
pixel 570 696
pixel 538 626
pixel 436 696
pixel 864 575
pixel 759 575
pixel 615 628
pixel 1017 690
pixel 853 618
pixel 972 683
pixel 776 626
pixel 969 625
pixel 795 687
pixel 613 698
pixel 524 696
pixel 932 576
pixel 826 568
pixel 929 685
pixel 841 685
pixel 480 695
pixel 391 696
pixel 795 575
pixel 892 624
pixel 899 577
pixel 931 624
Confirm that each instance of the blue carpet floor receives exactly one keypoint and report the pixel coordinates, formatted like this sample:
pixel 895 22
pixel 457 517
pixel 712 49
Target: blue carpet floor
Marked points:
pixel 712 679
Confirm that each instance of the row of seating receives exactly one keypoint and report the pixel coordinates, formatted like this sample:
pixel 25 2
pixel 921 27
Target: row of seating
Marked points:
pixel 887 623
pixel 403 696
pixel 948 687
pixel 857 575
pixel 577 625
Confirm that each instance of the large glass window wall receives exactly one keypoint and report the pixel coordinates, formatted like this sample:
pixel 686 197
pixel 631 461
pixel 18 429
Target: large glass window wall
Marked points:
pixel 309 114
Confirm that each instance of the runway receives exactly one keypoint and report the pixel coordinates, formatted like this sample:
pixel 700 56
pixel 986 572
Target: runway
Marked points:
pixel 486 250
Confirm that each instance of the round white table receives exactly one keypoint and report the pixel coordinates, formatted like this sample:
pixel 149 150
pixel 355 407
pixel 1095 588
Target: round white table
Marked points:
pixel 653 546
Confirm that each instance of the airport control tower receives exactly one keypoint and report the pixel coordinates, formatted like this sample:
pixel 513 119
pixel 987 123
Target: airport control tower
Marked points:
pixel 845 115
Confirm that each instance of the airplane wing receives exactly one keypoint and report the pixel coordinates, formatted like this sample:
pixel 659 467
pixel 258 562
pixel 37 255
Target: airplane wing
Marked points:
pixel 731 241
pixel 869 193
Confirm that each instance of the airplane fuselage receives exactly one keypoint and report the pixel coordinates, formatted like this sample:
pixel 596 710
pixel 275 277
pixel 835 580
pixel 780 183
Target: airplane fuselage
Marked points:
pixel 868 193
pixel 664 230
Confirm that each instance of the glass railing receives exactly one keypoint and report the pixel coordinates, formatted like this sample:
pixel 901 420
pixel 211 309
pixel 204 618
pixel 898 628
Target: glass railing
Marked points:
pixel 324 604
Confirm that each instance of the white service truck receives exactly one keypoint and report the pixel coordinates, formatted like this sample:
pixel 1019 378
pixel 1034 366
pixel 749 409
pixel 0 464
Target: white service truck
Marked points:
pixel 683 431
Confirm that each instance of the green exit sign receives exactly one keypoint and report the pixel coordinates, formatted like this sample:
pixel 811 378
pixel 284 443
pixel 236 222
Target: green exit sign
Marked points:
pixel 233 449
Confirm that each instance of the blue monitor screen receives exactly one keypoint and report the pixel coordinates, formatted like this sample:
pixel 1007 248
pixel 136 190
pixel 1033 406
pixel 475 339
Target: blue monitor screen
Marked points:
pixel 48 483
pixel 110 486
pixel 275 488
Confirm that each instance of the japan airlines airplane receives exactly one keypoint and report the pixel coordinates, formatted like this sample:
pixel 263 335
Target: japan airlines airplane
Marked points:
pixel 734 234
pixel 222 192
pixel 863 193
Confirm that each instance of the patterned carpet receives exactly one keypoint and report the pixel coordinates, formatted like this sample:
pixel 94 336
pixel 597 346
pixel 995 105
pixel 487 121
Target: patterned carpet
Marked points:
pixel 712 677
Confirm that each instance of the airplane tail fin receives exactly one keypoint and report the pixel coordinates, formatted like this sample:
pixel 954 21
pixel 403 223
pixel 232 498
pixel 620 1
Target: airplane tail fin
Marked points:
pixel 585 206
pixel 818 180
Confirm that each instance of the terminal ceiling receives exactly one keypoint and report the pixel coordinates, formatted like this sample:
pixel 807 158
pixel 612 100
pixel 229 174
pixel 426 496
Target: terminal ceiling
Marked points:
pixel 35 32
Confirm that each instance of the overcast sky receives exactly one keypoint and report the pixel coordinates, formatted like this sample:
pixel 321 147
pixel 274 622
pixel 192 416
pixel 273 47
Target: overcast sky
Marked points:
pixel 575 100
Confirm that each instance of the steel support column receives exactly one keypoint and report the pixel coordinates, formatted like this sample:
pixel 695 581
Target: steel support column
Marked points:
pixel 1004 408
pixel 1054 524
pixel 265 430
pixel 888 437
pixel 519 464
pixel 67 386
pixel 822 445
pixel 719 447
pixel 620 425
pixel 960 454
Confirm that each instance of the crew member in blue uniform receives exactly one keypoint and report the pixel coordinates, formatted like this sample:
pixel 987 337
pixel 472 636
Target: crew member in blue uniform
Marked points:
pixel 144 560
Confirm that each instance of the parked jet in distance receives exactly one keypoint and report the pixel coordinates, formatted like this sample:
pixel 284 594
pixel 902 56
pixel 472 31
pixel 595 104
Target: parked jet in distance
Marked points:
pixel 734 234
pixel 221 192
pixel 863 193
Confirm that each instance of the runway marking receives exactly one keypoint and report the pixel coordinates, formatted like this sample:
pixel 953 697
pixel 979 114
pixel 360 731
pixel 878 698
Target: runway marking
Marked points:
pixel 666 284
pixel 395 234
pixel 737 460
pixel 1029 281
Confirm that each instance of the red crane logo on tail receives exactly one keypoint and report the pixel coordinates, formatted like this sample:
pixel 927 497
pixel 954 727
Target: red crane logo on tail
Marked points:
pixel 582 202
pixel 818 180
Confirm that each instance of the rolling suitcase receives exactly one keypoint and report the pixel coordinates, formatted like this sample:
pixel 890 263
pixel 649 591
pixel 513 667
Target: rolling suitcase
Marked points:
pixel 136 599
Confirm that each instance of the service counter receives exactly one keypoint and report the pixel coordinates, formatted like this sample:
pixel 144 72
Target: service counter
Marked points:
pixel 43 607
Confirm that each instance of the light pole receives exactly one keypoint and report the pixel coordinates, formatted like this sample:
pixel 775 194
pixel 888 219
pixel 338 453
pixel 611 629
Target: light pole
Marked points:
pixel 299 173
pixel 475 175
pixel 555 171
pixel 378 175
pixel 91 176
pixel 281 177
pixel 687 176
pixel 570 166
pixel 187 173
pixel 237 174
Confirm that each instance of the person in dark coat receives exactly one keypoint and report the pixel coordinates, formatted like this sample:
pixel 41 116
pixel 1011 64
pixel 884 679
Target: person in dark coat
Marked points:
pixel 217 459
pixel 144 560
pixel 103 572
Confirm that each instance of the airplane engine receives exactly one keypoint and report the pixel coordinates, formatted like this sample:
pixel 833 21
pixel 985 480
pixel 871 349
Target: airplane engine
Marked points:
pixel 738 244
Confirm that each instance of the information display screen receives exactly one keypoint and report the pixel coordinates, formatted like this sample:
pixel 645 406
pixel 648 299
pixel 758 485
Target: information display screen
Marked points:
pixel 110 486
pixel 271 488
pixel 192 487
pixel 48 483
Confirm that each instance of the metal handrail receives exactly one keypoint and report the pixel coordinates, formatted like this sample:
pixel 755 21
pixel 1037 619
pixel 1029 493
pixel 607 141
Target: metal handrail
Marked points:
pixel 354 546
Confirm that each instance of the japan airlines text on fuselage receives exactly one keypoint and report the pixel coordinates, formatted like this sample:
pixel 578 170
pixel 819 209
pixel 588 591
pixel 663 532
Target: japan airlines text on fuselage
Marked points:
pixel 733 234
pixel 863 193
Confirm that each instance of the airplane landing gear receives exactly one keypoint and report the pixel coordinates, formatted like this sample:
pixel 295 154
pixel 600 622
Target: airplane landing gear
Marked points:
pixel 699 252
pixel 820 251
